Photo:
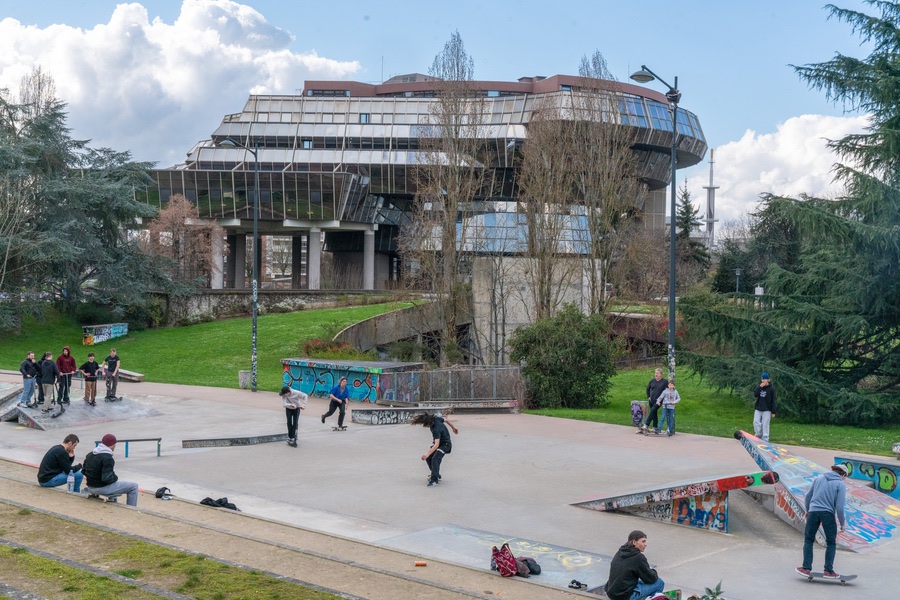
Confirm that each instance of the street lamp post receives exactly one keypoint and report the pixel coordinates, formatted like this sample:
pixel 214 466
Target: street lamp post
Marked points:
pixel 737 281
pixel 254 303
pixel 645 75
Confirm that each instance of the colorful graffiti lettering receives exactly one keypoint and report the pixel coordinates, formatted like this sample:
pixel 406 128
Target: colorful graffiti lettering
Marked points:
pixel 706 511
pixel 884 476
pixel 95 334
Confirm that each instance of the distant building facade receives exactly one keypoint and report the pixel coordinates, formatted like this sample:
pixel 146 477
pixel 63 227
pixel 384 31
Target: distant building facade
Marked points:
pixel 337 163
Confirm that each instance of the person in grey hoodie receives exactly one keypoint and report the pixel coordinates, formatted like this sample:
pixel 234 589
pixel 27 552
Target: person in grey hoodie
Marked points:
pixel 824 501
pixel 630 575
pixel 100 475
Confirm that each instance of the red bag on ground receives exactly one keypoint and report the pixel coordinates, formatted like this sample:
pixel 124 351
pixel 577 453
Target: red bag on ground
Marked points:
pixel 506 562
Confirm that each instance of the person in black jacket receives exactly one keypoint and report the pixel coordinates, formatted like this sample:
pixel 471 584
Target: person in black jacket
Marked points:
pixel 100 475
pixel 28 369
pixel 441 446
pixel 764 409
pixel 57 463
pixel 49 377
pixel 656 387
pixel 630 575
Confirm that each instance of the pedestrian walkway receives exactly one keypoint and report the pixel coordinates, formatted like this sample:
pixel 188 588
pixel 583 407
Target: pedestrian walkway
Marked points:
pixel 513 475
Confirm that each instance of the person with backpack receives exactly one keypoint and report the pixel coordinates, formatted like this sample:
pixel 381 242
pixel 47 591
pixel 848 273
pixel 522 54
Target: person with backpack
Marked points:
pixel 441 445
pixel 630 575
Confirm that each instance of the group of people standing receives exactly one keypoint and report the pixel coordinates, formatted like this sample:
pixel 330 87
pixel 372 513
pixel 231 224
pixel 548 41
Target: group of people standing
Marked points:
pixel 53 379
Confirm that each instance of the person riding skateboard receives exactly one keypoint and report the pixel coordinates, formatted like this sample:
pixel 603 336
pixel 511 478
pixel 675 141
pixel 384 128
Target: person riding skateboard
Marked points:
pixel 294 401
pixel 824 501
pixel 441 445
pixel 338 396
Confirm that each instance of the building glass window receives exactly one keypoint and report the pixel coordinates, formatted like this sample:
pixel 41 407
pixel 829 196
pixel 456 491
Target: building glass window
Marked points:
pixel 363 117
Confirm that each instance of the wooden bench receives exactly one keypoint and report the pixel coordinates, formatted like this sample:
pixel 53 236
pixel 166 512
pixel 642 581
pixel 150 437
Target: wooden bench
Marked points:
pixel 157 440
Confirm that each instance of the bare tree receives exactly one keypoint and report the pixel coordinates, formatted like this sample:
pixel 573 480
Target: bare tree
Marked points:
pixel 449 178
pixel 605 168
pixel 179 235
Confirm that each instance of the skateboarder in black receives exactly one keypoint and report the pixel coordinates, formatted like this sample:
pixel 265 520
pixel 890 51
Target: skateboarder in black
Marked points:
pixel 113 362
pixel 441 446
pixel 824 501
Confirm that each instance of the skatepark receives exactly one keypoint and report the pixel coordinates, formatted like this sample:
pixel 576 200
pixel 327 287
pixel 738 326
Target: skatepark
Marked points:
pixel 510 477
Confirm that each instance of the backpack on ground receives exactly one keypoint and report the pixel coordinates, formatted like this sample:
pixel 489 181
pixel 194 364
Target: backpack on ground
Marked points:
pixel 504 560
pixel 220 503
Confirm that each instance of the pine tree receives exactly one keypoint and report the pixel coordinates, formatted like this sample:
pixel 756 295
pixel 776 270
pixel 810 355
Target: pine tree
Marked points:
pixel 826 330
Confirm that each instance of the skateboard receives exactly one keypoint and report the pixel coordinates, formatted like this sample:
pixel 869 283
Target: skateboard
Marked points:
pixel 113 398
pixel 109 499
pixel 819 575
pixel 344 428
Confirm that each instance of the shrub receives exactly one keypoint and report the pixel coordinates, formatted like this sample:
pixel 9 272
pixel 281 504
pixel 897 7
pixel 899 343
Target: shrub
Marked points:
pixel 329 349
pixel 567 360
pixel 91 313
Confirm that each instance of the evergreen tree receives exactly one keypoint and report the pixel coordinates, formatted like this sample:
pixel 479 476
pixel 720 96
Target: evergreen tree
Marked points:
pixel 693 256
pixel 67 210
pixel 826 330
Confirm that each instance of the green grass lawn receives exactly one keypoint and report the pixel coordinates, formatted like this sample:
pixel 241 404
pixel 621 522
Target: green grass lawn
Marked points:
pixel 208 354
pixel 705 411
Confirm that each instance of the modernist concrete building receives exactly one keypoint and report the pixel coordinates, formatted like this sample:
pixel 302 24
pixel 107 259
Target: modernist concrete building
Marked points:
pixel 337 167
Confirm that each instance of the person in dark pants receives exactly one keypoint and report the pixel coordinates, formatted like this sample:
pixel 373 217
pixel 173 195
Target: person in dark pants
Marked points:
pixel 441 445
pixel 89 370
pixel 338 396
pixel 113 362
pixel 294 401
pixel 656 387
pixel 66 365
pixel 49 377
pixel 824 506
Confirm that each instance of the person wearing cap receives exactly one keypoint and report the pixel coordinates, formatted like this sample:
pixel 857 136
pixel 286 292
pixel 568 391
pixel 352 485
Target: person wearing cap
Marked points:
pixel 294 401
pixel 764 410
pixel 630 575
pixel 100 476
pixel 824 504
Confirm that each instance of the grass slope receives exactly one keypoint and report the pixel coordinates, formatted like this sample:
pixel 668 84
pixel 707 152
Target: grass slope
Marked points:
pixel 208 354
pixel 706 411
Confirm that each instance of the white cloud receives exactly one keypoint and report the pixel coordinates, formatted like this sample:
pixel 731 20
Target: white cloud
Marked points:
pixel 791 161
pixel 157 88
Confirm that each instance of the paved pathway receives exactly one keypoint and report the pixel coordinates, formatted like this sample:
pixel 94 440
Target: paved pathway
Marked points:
pixel 510 475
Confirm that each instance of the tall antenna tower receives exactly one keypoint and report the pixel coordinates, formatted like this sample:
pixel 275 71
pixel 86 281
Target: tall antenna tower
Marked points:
pixel 711 219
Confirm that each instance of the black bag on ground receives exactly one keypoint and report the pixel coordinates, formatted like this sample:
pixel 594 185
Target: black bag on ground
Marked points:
pixel 220 503
pixel 163 491
pixel 533 565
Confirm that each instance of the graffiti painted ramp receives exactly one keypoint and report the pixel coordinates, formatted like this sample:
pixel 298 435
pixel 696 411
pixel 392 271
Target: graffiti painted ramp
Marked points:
pixel 872 517
pixel 702 504
pixel 472 548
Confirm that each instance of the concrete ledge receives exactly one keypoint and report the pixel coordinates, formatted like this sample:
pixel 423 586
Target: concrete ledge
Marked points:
pixel 510 405
pixel 235 441
pixel 397 415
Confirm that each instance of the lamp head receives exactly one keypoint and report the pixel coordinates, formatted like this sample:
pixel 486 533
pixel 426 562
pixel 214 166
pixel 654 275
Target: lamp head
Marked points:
pixel 229 143
pixel 643 76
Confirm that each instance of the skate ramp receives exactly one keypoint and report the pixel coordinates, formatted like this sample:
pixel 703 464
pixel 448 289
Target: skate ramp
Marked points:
pixel 872 517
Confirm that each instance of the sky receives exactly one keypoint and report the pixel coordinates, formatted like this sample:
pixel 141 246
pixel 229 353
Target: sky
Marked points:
pixel 155 77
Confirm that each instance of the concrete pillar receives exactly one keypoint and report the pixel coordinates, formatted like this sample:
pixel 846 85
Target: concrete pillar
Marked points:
pixel 216 274
pixel 240 261
pixel 296 262
pixel 314 263
pixel 231 240
pixel 368 279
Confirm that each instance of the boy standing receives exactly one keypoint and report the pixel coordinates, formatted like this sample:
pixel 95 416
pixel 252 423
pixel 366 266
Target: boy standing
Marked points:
pixel 49 377
pixel 28 369
pixel 764 410
pixel 294 401
pixel 113 362
pixel 89 370
pixel 668 399
pixel 66 365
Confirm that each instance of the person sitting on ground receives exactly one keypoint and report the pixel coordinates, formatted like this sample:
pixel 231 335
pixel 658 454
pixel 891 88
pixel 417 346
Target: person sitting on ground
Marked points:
pixel 100 475
pixel 630 575
pixel 58 462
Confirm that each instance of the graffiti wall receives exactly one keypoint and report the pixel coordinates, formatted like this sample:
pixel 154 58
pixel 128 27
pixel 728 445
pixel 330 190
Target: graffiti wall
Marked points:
pixel 882 475
pixel 96 334
pixel 701 504
pixel 872 517
pixel 367 382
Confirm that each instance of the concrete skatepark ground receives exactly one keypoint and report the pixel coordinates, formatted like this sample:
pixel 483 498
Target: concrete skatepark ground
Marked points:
pixel 509 476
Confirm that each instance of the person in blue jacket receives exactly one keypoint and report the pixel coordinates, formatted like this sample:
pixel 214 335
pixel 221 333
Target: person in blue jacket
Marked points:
pixel 824 506
pixel 338 397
